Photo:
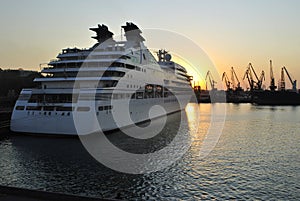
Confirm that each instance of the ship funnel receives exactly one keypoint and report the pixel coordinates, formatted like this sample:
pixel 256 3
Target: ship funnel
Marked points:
pixel 132 32
pixel 103 34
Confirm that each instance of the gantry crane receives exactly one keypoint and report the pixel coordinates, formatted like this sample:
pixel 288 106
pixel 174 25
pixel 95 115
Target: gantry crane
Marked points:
pixel 272 79
pixel 233 78
pixel 211 80
pixel 226 80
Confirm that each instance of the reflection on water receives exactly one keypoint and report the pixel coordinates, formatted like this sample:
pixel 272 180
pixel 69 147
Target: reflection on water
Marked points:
pixel 256 157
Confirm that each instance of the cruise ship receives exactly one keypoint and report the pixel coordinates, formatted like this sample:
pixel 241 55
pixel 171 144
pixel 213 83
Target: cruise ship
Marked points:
pixel 111 85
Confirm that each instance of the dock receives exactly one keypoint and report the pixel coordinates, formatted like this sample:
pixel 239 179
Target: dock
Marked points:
pixel 5 119
pixel 21 194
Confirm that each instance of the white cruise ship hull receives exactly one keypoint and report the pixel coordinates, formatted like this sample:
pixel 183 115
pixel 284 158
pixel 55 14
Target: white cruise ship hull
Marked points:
pixel 62 122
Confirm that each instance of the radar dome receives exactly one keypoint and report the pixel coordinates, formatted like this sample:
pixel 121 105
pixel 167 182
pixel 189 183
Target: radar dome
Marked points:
pixel 168 57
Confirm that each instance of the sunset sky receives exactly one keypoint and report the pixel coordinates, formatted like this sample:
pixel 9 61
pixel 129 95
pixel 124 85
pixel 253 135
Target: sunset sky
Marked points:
pixel 230 32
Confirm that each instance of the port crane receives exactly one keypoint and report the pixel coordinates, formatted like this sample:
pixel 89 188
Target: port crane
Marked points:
pixel 211 80
pixel 261 79
pixel 249 75
pixel 254 84
pixel 272 79
pixel 226 80
pixel 282 81
pixel 233 78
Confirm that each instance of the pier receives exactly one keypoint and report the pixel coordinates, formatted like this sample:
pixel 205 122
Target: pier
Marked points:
pixel 5 119
pixel 22 194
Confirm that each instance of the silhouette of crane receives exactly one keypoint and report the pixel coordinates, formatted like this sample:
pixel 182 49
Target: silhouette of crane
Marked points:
pixel 234 78
pixel 254 84
pixel 282 81
pixel 211 80
pixel 272 79
pixel 226 80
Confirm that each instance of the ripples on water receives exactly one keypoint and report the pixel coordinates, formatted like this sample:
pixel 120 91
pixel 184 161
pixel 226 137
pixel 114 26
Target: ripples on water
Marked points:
pixel 257 157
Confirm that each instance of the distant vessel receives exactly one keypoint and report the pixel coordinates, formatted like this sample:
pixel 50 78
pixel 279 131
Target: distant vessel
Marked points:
pixel 73 87
pixel 276 97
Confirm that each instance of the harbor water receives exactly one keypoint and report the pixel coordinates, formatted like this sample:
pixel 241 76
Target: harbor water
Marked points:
pixel 256 158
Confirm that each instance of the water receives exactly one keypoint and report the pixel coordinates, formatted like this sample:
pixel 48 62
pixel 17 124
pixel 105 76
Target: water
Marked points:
pixel 256 158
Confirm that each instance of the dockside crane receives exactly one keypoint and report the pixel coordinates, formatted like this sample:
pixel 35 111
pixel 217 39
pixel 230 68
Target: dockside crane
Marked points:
pixel 293 82
pixel 252 69
pixel 282 81
pixel 233 78
pixel 211 80
pixel 261 79
pixel 272 79
pixel 249 76
pixel 254 84
pixel 226 80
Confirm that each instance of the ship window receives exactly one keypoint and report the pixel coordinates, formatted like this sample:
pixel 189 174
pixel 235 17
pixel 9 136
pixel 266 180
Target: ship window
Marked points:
pixel 133 96
pixel 83 109
pixel 113 74
pixel 33 108
pixel 129 66
pixel 139 95
pixel 103 96
pixel 106 107
pixel 110 107
pixel 53 98
pixel 100 108
pixel 144 56
pixel 138 68
pixel 115 96
pixel 107 83
pixel 24 96
pixel 20 107
pixel 124 57
pixel 48 108
pixel 36 98
pixel 64 108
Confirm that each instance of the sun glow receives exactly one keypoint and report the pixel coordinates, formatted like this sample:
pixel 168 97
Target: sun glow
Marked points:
pixel 198 79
